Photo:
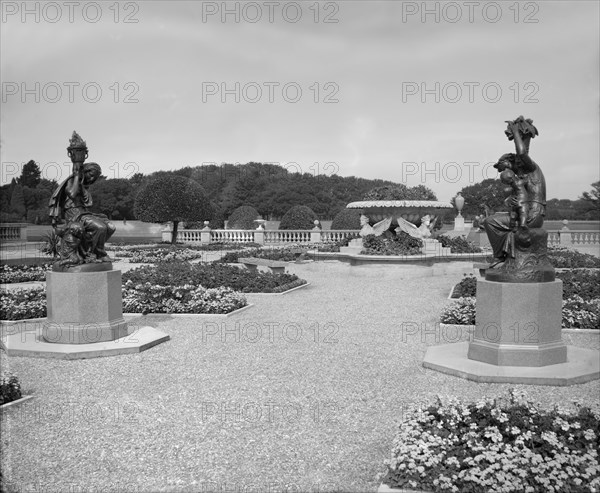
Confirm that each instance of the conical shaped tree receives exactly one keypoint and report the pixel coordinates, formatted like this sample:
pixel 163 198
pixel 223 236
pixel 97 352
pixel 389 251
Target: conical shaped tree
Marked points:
pixel 172 198
pixel 31 175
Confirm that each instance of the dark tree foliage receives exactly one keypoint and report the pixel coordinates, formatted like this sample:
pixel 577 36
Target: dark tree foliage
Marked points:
pixel 591 202
pixel 491 192
pixel 167 197
pixel 346 219
pixel 298 217
pixel 243 218
pixel 17 202
pixel 30 175
pixel 400 192
pixel 114 198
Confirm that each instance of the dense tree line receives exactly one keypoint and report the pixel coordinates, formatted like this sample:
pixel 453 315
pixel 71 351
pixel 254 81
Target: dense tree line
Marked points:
pixel 492 193
pixel 271 189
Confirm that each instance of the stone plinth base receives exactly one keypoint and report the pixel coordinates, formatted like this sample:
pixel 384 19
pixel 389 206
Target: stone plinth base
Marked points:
pixel 84 307
pixel 28 341
pixel 355 246
pixel 518 324
pixel 582 365
pixel 459 223
pixel 434 247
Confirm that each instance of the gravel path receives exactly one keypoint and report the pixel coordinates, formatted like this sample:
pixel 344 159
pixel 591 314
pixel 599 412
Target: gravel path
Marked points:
pixel 303 391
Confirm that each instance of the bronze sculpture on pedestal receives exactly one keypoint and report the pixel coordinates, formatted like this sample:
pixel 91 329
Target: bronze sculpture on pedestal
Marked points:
pixel 82 233
pixel 520 246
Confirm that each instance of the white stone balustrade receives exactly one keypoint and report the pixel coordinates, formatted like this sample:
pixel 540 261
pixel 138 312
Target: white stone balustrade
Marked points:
pixel 13 232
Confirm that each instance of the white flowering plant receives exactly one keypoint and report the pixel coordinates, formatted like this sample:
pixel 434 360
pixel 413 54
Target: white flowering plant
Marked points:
pixel 155 255
pixel 23 273
pixel 577 313
pixel 461 312
pixel 10 388
pixel 187 298
pixel 504 445
pixel 21 303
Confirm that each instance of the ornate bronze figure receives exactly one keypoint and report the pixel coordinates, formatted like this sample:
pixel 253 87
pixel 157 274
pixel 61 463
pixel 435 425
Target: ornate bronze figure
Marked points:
pixel 520 245
pixel 82 233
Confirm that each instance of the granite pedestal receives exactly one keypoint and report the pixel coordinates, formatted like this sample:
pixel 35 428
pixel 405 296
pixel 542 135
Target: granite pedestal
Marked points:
pixel 85 320
pixel 517 340
pixel 84 307
pixel 518 324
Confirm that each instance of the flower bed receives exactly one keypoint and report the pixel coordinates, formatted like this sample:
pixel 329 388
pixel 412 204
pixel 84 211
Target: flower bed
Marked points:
pixel 467 287
pixel 460 312
pixel 213 276
pixel 10 274
pixel 10 389
pixel 20 304
pixel 150 298
pixel 458 244
pixel 562 258
pixel 284 254
pixel 496 445
pixel 582 282
pixel 401 244
pixel 163 255
pixel 577 313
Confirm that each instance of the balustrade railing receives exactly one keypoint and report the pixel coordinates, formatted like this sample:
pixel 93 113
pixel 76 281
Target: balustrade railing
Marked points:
pixel 13 232
pixel 261 236
pixel 564 237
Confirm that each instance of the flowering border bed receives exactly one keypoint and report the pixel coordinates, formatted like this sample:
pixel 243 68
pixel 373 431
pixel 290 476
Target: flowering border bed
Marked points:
pixel 577 313
pixel 496 445
pixel 25 304
pixel 10 389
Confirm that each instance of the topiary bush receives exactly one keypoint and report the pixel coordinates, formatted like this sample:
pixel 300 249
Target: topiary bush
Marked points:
pixel 346 219
pixel 167 197
pixel 298 217
pixel 243 218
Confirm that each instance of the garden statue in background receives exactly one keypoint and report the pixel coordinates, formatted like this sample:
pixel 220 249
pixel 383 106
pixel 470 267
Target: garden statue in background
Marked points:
pixel 83 233
pixel 377 229
pixel 520 248
pixel 421 232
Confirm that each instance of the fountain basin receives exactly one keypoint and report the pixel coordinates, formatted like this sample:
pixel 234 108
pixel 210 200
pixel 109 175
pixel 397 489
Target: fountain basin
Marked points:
pixel 410 210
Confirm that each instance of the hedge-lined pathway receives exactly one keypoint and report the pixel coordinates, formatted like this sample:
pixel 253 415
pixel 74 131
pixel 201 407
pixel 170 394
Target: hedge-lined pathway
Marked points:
pixel 260 400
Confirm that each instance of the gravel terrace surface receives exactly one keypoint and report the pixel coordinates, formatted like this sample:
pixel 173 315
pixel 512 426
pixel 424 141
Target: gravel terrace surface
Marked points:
pixel 303 392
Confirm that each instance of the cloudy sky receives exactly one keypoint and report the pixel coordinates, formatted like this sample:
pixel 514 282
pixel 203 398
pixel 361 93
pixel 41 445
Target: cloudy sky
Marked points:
pixel 407 91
